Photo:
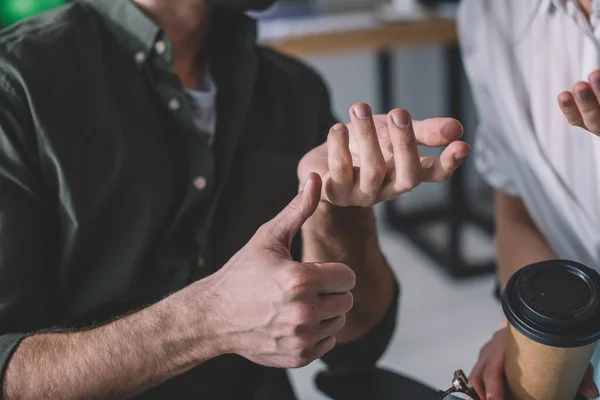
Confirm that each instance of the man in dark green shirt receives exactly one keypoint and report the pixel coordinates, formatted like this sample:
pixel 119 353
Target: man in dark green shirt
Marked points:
pixel 139 258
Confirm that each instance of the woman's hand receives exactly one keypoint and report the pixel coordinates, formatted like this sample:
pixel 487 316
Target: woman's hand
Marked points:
pixel 487 376
pixel 581 105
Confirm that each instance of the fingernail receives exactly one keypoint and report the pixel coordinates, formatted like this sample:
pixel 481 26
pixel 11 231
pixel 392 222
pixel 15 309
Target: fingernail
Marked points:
pixel 597 84
pixel 585 95
pixel 338 127
pixel 401 119
pixel 362 111
pixel 567 103
pixel 459 156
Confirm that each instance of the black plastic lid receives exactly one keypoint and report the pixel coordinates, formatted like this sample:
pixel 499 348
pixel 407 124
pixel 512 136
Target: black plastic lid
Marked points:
pixel 556 303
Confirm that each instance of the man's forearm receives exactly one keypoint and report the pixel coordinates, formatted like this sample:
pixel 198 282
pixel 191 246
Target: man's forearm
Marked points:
pixel 114 361
pixel 349 235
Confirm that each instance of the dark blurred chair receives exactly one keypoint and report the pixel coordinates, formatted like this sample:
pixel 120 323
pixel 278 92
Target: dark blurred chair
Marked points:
pixel 372 384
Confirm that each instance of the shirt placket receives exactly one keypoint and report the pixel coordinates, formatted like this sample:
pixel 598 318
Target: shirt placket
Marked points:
pixel 196 157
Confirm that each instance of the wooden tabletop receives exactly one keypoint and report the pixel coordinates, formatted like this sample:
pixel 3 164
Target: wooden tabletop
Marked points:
pixel 428 31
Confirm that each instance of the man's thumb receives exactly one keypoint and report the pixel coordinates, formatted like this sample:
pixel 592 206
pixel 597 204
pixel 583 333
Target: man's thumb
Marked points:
pixel 289 221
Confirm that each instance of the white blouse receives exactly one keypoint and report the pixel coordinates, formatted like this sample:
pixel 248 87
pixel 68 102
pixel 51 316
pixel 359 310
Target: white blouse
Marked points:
pixel 519 55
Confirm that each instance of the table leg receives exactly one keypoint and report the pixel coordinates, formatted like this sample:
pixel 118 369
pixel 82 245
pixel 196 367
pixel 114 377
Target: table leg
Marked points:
pixel 455 213
pixel 457 203
pixel 386 91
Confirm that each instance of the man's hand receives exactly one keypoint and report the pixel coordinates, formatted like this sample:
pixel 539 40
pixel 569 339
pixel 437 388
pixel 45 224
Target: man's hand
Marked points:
pixel 272 310
pixel 373 159
pixel 581 105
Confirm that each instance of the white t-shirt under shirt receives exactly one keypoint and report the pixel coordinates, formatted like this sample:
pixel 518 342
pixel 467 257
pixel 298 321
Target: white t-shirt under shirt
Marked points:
pixel 519 55
pixel 204 106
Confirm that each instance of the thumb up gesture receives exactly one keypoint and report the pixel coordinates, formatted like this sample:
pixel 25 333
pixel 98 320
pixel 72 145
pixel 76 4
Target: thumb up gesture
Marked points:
pixel 277 312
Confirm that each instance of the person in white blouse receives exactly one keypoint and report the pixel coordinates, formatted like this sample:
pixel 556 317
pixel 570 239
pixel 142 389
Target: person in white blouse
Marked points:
pixel 520 56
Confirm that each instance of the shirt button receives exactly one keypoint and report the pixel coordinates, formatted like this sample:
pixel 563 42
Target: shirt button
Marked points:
pixel 140 57
pixel 174 104
pixel 200 183
pixel 161 47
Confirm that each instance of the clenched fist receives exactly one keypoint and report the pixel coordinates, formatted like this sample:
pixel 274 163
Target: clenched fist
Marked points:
pixel 272 310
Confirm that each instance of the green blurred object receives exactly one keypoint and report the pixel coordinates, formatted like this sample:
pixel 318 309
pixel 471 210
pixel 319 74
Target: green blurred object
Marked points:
pixel 12 11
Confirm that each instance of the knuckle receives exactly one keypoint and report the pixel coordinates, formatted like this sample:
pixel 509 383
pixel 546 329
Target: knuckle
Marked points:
pixel 407 182
pixel 341 166
pixel 302 314
pixel 364 199
pixel 375 173
pixel 263 231
pixel 296 281
pixel 297 343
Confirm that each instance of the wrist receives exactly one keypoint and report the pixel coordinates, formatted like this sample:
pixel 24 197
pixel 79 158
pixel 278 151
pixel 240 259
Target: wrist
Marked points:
pixel 195 313
pixel 351 222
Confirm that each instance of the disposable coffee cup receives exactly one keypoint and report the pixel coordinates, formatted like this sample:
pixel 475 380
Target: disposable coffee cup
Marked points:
pixel 553 310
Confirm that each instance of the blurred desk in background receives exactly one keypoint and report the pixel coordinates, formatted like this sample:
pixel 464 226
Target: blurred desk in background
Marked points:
pixel 354 32
pixel 369 31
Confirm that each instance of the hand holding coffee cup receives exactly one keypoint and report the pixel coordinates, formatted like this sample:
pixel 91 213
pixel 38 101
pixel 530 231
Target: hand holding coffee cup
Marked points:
pixel 553 310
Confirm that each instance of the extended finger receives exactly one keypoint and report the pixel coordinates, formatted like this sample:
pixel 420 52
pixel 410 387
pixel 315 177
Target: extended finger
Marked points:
pixel 407 165
pixel 433 132
pixel 476 378
pixel 569 108
pixel 588 106
pixel 339 160
pixel 436 132
pixel 440 169
pixel 372 164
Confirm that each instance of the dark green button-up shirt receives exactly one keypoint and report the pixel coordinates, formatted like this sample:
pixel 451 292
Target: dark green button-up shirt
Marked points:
pixel 98 154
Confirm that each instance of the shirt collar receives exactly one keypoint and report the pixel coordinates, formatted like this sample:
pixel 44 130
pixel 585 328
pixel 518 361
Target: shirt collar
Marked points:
pixel 232 33
pixel 130 25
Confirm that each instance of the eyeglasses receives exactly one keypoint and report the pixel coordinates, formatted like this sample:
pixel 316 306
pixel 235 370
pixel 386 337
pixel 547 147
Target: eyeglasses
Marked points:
pixel 460 388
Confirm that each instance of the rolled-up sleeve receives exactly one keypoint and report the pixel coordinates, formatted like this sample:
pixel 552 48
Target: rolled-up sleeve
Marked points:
pixel 25 234
pixel 492 155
